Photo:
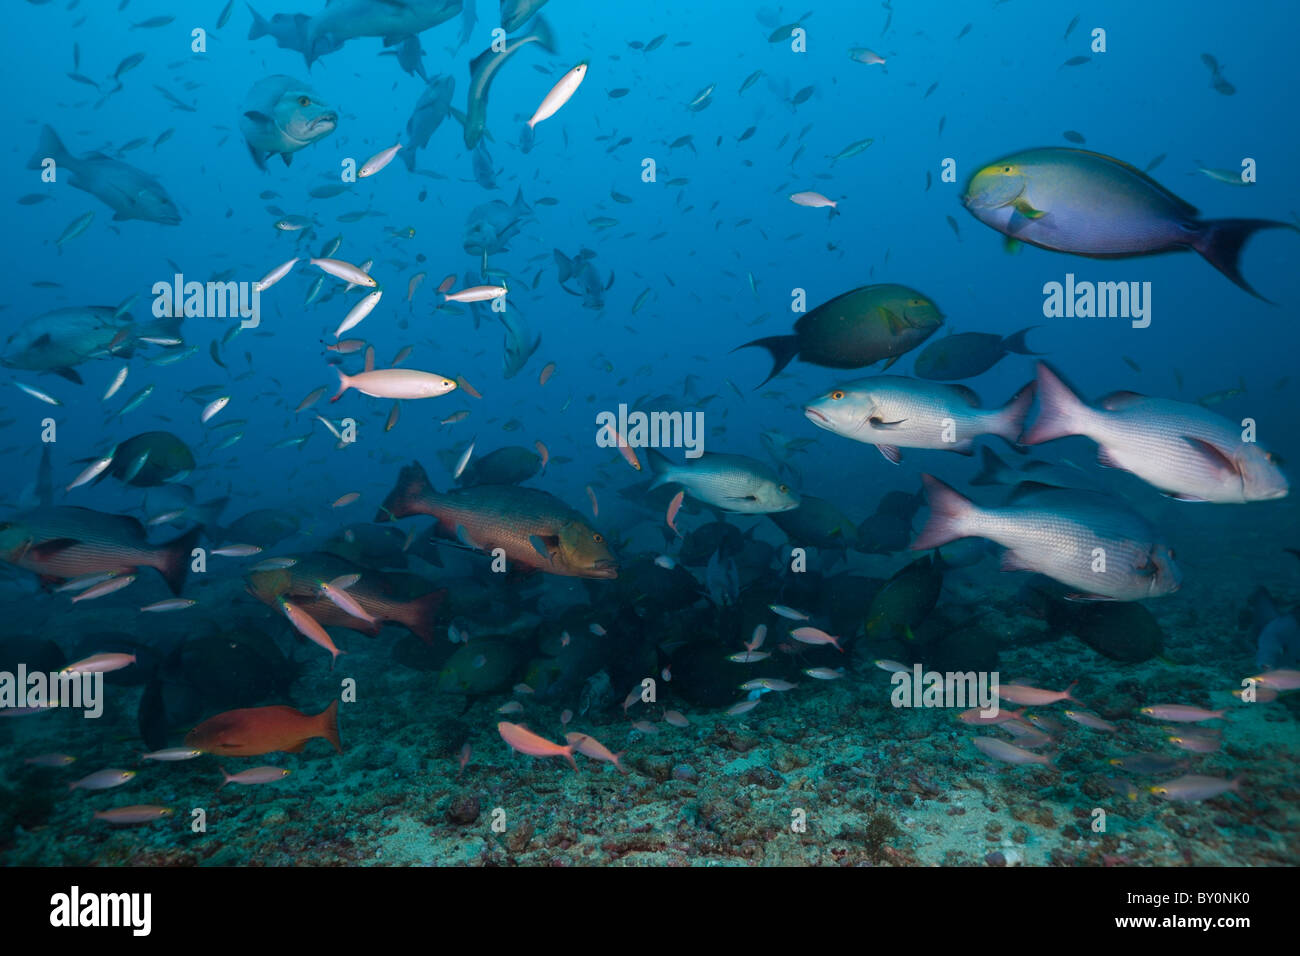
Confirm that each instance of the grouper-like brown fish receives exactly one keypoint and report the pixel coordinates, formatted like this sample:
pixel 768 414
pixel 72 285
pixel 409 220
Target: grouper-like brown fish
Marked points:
pixel 384 595
pixel 68 542
pixel 536 530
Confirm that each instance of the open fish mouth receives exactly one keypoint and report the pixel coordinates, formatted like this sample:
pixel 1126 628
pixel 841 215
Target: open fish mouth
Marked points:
pixel 605 568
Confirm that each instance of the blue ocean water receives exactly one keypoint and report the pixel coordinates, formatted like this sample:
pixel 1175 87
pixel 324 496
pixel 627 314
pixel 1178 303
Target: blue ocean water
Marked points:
pixel 703 256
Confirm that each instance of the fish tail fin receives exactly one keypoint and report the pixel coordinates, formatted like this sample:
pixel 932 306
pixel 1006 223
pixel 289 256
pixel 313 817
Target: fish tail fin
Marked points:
pixel 568 755
pixel 174 559
pixel 225 776
pixel 421 614
pixel 1016 343
pixel 545 35
pixel 48 146
pixel 949 510
pixel 660 467
pixel 1220 241
pixel 344 384
pixel 521 208
pixel 1058 409
pixel 260 26
pixel 328 720
pixel 407 495
pixel 1010 420
pixel 783 348
pixel 992 468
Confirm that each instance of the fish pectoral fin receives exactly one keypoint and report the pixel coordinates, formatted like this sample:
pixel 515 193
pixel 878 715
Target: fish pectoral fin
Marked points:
pixel 48 549
pixel 891 453
pixel 1013 562
pixel 260 118
pixel 70 374
pixel 1179 496
pixel 1214 455
pixel 1021 205
pixel 544 545
pixel 1081 598
pixel 895 323
pixel 880 424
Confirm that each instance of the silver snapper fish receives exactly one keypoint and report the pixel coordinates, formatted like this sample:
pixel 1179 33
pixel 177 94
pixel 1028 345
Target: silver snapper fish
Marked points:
pixel 729 482
pixel 492 225
pixel 1078 201
pixel 343 20
pixel 59 340
pixel 1185 450
pixel 893 412
pixel 483 70
pixel 516 13
pixel 130 192
pixel 430 110
pixel 1057 532
pixel 520 344
pixel 281 115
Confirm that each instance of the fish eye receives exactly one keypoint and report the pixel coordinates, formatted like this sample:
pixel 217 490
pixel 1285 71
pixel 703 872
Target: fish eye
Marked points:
pixel 304 101
pixel 598 538
pixel 836 395
pixel 1005 169
pixel 784 489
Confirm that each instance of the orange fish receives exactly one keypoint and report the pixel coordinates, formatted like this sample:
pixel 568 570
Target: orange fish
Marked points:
pixel 253 731
pixel 675 506
pixel 547 372
pixel 522 739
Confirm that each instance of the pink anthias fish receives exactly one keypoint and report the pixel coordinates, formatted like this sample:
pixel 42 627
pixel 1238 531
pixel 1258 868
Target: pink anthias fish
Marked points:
pixel 1008 753
pixel 520 738
pixel 254 775
pixel 589 746
pixel 813 200
pixel 1033 696
pixel 1181 713
pixel 1194 787
pixel 814 635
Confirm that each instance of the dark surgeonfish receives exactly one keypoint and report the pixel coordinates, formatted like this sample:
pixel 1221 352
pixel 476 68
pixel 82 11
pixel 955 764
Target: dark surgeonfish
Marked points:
pixel 855 329
pixel 1074 200
pixel 968 354
pixel 130 192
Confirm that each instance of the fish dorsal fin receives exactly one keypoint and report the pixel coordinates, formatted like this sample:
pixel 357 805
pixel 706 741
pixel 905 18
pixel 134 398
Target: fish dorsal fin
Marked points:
pixel 1118 401
pixel 1024 488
